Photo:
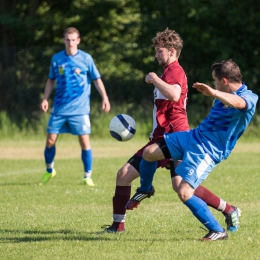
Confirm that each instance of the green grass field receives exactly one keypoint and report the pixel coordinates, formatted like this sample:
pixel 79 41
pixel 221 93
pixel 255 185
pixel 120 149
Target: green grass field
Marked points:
pixel 64 219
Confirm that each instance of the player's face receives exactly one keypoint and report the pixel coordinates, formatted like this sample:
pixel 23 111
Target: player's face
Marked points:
pixel 163 56
pixel 71 42
pixel 219 84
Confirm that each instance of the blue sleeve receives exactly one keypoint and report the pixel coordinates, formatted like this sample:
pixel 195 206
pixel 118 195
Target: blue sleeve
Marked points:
pixel 250 99
pixel 93 71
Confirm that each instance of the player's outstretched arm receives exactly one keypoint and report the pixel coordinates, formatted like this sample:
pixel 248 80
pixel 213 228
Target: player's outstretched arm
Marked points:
pixel 228 99
pixel 204 89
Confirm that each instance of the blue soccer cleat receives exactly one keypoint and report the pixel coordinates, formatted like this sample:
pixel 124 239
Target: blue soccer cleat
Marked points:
pixel 232 220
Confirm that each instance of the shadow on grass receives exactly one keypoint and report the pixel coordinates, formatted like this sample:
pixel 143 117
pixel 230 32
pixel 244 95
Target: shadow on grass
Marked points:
pixel 18 236
pixel 28 236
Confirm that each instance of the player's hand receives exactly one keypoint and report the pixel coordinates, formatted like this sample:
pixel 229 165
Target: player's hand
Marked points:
pixel 106 105
pixel 45 105
pixel 204 89
pixel 149 77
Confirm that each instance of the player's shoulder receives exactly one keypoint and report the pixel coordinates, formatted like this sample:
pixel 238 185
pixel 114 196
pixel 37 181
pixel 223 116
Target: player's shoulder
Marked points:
pixel 175 66
pixel 85 57
pixel 245 92
pixel 59 55
pixel 84 54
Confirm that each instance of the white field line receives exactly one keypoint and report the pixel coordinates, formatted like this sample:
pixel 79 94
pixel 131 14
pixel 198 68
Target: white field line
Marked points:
pixel 19 172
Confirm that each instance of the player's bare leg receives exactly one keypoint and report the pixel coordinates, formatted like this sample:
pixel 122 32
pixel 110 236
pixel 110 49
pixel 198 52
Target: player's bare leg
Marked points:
pixel 231 213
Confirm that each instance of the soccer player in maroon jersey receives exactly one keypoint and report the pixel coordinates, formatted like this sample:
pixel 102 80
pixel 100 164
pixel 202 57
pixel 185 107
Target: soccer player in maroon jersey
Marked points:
pixel 169 115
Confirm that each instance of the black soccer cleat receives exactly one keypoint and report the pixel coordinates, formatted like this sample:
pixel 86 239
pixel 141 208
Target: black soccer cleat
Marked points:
pixel 214 235
pixel 113 229
pixel 138 197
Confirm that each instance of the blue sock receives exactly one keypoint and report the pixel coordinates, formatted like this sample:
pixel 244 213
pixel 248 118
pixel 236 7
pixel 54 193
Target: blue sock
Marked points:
pixel 146 171
pixel 49 154
pixel 201 211
pixel 86 156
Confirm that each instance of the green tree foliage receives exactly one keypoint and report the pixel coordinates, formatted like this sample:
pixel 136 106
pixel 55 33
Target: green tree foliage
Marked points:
pixel 212 31
pixel 117 33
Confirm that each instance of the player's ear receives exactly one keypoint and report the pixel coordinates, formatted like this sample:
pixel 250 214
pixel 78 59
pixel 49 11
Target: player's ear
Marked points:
pixel 79 40
pixel 225 81
pixel 173 51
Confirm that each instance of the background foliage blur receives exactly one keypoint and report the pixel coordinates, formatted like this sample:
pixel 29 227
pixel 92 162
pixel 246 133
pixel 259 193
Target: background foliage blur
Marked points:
pixel 117 33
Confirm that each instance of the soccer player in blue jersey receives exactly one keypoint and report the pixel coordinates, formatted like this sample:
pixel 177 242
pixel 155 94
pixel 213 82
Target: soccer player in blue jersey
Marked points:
pixel 71 72
pixel 204 147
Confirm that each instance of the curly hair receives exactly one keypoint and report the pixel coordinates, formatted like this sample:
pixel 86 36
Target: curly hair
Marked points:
pixel 168 39
pixel 227 69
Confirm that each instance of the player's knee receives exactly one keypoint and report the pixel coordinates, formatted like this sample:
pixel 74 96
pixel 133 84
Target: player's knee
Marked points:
pixel 123 174
pixel 185 192
pixel 50 143
pixel 126 175
pixel 148 153
pixel 181 195
pixel 120 174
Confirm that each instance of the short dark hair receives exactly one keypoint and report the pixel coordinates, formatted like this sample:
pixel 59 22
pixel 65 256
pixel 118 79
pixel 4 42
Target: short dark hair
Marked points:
pixel 71 30
pixel 168 39
pixel 227 69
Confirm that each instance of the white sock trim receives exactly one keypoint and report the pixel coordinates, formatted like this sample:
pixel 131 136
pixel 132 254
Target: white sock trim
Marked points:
pixel 222 205
pixel 119 218
pixel 50 165
pixel 88 174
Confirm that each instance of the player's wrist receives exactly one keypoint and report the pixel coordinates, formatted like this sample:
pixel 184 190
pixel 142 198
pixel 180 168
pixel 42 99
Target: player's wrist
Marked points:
pixel 216 93
pixel 152 77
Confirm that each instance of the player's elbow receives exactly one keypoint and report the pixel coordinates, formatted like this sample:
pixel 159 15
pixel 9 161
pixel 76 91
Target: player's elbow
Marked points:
pixel 174 98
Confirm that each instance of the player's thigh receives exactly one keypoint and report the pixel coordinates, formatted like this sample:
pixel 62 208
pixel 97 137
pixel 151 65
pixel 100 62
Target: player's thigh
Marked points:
pixel 176 180
pixel 79 125
pixel 153 152
pixel 84 142
pixel 126 175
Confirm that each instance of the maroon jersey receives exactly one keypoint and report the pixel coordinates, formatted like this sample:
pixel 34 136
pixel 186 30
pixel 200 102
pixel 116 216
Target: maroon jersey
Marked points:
pixel 170 116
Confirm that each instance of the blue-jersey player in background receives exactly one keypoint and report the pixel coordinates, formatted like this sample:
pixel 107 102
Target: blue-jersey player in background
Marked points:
pixel 71 72
pixel 204 147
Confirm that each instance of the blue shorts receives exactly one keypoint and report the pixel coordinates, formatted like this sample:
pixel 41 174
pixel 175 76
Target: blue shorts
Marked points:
pixel 196 163
pixel 76 125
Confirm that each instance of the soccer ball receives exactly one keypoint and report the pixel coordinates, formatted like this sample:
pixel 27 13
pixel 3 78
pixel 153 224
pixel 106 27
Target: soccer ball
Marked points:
pixel 122 127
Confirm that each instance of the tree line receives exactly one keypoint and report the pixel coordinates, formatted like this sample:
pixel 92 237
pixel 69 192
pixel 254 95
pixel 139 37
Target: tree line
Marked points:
pixel 118 33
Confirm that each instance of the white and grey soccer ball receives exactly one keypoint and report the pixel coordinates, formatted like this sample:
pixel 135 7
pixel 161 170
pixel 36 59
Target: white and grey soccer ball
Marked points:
pixel 122 127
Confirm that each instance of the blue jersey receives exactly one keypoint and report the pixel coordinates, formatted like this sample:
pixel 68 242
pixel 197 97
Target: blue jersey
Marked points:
pixel 218 133
pixel 73 75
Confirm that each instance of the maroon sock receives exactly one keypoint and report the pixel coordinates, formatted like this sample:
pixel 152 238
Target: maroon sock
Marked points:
pixel 212 200
pixel 121 197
